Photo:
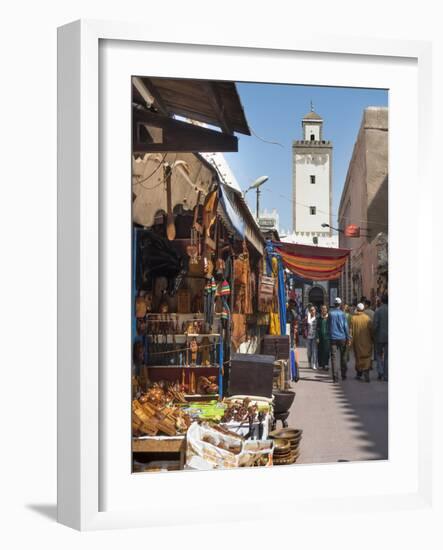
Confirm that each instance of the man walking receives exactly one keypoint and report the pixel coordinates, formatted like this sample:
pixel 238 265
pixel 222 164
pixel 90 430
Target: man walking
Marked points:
pixel 380 328
pixel 368 310
pixel 338 339
pixel 323 338
pixel 361 338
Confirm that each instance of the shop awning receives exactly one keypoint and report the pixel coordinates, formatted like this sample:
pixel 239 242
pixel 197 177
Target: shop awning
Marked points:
pixel 238 218
pixel 213 102
pixel 161 104
pixel 317 263
pixel 230 214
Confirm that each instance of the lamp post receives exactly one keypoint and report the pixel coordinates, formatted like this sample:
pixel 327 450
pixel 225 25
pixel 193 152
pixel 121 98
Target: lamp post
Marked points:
pixel 256 185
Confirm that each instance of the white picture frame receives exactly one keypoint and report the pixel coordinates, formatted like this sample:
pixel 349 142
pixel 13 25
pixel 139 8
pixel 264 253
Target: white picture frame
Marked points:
pixel 85 212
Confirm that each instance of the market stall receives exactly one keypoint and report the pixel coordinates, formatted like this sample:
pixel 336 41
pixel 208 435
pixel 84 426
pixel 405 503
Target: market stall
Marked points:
pixel 194 279
pixel 200 286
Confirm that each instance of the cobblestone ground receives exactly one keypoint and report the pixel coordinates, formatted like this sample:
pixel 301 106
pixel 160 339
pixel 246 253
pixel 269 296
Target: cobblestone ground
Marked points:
pixel 341 422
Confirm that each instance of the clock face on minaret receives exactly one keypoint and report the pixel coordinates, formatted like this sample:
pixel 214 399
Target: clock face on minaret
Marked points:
pixel 312 177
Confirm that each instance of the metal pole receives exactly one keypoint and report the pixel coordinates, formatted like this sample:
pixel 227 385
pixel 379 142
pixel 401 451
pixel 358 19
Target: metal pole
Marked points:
pixel 258 202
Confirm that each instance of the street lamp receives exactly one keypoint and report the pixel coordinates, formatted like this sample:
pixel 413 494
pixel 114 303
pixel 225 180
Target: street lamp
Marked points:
pixel 256 185
pixel 334 228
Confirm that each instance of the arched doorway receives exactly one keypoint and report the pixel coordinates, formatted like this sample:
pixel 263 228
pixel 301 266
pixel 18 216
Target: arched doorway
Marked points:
pixel 317 296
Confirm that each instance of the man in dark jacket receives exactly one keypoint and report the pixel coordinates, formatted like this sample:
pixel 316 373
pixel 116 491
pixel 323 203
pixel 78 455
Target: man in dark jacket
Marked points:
pixel 380 328
pixel 338 338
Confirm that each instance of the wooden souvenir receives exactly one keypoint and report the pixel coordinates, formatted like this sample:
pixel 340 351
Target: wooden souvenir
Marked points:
pixel 183 301
pixel 210 211
pixel 194 350
pixel 197 303
pixel 163 307
pixel 265 293
pixel 170 225
pixel 148 302
pixel 140 307
pixel 205 349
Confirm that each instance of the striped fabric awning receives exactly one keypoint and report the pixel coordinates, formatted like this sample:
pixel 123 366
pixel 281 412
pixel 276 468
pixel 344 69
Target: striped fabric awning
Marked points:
pixel 317 263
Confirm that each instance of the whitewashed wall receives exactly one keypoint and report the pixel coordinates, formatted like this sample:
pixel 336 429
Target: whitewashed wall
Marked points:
pixel 312 129
pixel 308 194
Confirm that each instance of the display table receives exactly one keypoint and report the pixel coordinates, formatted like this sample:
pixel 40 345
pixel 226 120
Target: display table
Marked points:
pixel 161 444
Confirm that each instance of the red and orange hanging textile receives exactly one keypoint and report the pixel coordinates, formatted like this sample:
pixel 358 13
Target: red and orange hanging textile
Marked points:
pixel 317 263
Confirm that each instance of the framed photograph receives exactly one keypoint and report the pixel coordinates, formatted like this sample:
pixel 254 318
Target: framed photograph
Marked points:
pixel 196 182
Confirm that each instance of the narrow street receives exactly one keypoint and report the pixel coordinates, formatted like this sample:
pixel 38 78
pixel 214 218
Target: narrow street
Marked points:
pixel 341 422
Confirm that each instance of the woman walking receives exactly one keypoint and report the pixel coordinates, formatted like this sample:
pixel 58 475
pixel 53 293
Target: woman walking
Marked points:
pixel 323 338
pixel 311 340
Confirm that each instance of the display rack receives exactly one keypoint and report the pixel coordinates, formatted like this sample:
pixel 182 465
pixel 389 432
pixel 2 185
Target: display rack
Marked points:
pixel 185 371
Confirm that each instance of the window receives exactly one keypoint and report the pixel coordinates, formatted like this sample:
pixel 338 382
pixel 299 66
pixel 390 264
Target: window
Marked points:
pixel 312 137
pixel 312 210
pixel 312 179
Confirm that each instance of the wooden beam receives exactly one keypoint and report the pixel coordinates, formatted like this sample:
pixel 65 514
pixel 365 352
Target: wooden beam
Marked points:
pixel 218 106
pixel 143 91
pixel 158 101
pixel 179 136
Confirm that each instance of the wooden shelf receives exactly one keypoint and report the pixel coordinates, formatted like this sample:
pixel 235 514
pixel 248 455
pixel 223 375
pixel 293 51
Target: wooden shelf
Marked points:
pixel 199 395
pixel 195 335
pixel 181 336
pixel 175 314
pixel 182 366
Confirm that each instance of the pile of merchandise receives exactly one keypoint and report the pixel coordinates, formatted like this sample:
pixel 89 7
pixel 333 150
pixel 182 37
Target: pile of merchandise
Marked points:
pixel 157 412
pixel 241 411
pixel 210 446
pixel 286 445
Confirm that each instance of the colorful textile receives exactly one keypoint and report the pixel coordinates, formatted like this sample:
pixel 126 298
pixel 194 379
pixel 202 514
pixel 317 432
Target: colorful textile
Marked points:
pixel 274 324
pixel 225 289
pixel 313 262
pixel 274 267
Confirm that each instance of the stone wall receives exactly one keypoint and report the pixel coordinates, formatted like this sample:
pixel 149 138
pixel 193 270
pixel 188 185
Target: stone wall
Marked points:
pixel 364 202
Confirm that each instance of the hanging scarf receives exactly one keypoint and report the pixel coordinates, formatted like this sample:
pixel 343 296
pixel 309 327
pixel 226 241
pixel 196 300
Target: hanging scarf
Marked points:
pixel 209 300
pixel 274 266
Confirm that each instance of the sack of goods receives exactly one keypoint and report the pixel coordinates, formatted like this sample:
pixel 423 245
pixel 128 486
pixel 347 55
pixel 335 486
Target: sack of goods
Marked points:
pixel 209 446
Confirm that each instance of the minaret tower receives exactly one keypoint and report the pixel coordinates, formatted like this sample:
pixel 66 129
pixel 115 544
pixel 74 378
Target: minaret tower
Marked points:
pixel 312 179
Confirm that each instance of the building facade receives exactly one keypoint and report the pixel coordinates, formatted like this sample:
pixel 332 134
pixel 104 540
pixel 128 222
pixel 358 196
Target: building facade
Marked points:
pixel 364 202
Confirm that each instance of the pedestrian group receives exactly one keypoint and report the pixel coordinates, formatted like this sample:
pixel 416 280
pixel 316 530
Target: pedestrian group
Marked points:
pixel 331 333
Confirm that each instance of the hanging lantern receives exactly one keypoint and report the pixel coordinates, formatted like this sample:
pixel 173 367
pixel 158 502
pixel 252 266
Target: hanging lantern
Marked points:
pixel 352 231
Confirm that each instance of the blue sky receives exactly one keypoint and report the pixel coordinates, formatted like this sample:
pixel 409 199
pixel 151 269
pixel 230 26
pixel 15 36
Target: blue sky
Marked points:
pixel 274 113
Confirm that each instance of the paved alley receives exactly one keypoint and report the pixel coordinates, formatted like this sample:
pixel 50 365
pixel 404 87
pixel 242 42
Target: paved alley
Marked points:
pixel 341 422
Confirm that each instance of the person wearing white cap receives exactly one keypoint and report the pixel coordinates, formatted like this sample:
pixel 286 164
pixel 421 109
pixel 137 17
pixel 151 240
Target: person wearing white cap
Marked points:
pixel 311 338
pixel 338 339
pixel 361 339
